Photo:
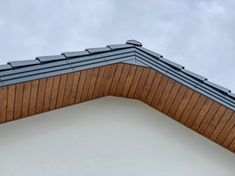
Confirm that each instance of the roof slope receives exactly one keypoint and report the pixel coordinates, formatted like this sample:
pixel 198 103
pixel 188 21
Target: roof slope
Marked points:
pixel 132 53
pixel 126 70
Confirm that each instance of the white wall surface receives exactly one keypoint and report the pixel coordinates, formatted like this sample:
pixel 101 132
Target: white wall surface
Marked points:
pixel 108 137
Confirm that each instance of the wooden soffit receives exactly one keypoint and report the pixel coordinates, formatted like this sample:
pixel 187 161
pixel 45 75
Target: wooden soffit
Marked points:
pixel 127 70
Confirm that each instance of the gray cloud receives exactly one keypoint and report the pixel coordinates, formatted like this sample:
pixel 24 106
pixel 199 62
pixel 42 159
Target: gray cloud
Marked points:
pixel 197 34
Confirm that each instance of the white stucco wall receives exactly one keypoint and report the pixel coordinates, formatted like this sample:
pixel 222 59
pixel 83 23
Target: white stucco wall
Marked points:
pixel 108 137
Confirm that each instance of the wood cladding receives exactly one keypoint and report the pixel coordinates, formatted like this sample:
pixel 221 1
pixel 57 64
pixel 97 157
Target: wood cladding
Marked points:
pixel 177 101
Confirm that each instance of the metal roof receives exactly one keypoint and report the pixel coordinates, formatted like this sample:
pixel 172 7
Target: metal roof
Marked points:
pixel 130 53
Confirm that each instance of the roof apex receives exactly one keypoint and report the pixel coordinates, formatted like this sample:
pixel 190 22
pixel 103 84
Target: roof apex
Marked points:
pixel 134 42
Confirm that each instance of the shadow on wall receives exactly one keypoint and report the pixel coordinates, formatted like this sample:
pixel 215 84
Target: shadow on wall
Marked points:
pixel 108 136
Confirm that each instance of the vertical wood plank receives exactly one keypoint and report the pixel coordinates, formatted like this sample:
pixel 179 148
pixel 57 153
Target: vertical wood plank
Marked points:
pixel 226 130
pixel 33 97
pixel 176 102
pixel 148 85
pixel 60 96
pixel 26 99
pixel 171 98
pixel 194 113
pixel 72 96
pixel 141 83
pixel 202 114
pixel 186 98
pixel 232 146
pixel 115 81
pixel 165 94
pixel 154 88
pixel 128 81
pixel 106 76
pixel 98 83
pixel 185 115
pixel 41 95
pixel 209 116
pixel 48 94
pixel 68 89
pixel 18 101
pixel 10 102
pixel 228 113
pixel 215 121
pixel 54 93
pixel 80 86
pixel 229 138
pixel 86 85
pixel 122 80
pixel 3 106
pixel 135 82
pixel 92 83
pixel 159 91
pixel 109 79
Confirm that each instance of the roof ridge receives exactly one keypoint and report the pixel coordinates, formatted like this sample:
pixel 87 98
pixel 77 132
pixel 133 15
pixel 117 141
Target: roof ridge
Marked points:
pixel 131 52
pixel 182 68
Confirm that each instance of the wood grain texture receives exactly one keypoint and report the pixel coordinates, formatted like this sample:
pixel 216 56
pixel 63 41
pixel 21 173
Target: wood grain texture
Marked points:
pixel 226 130
pixel 106 79
pixel 202 114
pixel 171 98
pixel 154 87
pixel 177 101
pixel 74 88
pixel 3 106
pixel 232 146
pixel 183 104
pixel 86 85
pixel 209 116
pixel 98 83
pixel 115 79
pixel 195 111
pixel 41 95
pixel 109 79
pixel 60 95
pixel 188 109
pixel 148 85
pixel 80 86
pixel 214 122
pixel 229 139
pixel 159 91
pixel 141 83
pixel 48 94
pixel 54 94
pixel 165 94
pixel 10 102
pixel 26 99
pixel 68 88
pixel 33 97
pixel 135 82
pixel 219 127
pixel 18 100
pixel 129 81
pixel 122 80
pixel 92 83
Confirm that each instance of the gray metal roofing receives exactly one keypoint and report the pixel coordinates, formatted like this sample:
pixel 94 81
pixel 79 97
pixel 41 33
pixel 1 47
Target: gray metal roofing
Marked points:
pixel 131 53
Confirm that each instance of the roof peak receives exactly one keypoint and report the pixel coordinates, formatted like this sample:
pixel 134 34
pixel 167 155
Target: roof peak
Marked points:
pixel 133 42
pixel 45 66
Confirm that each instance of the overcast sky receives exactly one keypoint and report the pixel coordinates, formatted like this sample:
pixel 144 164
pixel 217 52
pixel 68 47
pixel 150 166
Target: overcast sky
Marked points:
pixel 197 34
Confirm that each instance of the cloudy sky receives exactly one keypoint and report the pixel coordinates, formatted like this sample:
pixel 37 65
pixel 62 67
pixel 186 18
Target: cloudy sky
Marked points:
pixel 197 34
